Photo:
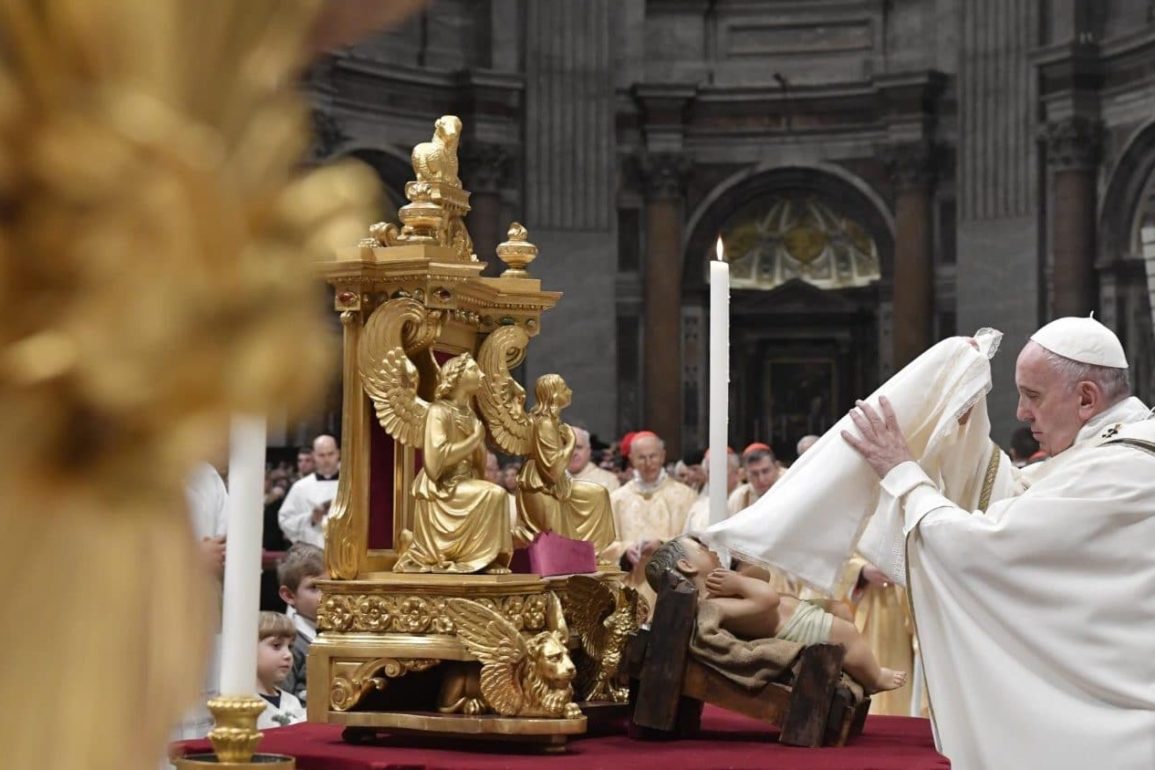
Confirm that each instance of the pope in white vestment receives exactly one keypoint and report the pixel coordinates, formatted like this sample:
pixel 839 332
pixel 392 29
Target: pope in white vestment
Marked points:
pixel 1033 591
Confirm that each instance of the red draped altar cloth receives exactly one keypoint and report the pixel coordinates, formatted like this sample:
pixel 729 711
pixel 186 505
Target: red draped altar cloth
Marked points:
pixel 727 741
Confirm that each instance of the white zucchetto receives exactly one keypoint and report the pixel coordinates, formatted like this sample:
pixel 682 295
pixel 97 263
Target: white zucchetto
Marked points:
pixel 1084 340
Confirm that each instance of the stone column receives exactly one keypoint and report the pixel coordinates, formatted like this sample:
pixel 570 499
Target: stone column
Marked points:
pixel 663 175
pixel 1072 157
pixel 484 170
pixel 912 173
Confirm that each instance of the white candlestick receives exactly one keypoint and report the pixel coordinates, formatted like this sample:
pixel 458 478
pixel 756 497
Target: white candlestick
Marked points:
pixel 719 383
pixel 243 556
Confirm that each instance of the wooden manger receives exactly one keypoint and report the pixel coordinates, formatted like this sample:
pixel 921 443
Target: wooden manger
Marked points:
pixel 668 686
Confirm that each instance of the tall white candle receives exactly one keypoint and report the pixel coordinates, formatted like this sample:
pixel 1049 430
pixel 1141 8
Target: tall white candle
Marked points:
pixel 242 582
pixel 719 381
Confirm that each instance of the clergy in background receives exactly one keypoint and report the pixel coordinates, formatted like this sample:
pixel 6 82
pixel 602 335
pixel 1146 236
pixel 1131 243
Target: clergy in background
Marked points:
pixel 882 615
pixel 652 506
pixel 580 466
pixel 699 516
pixel 1036 617
pixel 302 515
pixel 762 470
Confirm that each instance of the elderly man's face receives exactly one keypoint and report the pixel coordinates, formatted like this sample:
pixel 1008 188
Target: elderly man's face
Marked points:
pixel 581 451
pixel 647 457
pixel 1052 408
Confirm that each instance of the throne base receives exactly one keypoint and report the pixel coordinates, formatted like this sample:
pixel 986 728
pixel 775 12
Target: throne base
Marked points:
pixel 386 643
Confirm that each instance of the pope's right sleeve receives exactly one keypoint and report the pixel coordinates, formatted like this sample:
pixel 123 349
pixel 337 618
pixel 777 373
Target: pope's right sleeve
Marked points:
pixel 908 483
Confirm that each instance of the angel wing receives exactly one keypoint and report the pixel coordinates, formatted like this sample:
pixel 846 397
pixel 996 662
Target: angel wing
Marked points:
pixel 501 399
pixel 388 376
pixel 495 642
pixel 588 602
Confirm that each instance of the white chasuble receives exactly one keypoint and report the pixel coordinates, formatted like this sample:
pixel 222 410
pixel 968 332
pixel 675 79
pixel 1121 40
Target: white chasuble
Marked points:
pixel 1036 618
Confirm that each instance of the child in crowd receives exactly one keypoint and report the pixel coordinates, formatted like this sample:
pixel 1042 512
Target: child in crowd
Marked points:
pixel 298 572
pixel 274 662
pixel 751 609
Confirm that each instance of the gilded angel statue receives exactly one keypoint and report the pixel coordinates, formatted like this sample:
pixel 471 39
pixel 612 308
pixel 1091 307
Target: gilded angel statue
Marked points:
pixel 518 676
pixel 548 499
pixel 461 521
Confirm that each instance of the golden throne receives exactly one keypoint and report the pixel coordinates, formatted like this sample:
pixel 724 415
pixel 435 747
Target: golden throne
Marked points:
pixel 422 628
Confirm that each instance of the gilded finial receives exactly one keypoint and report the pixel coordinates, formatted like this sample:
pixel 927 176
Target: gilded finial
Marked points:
pixel 516 252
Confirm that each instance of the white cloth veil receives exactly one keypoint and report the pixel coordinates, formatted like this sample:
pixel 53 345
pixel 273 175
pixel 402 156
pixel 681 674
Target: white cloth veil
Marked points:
pixel 812 519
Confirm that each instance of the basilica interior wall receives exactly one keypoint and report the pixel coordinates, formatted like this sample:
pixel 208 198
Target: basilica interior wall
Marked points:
pixel 990 122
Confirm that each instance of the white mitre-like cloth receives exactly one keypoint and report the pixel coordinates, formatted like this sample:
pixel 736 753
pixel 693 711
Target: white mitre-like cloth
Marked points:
pixel 1084 340
pixel 809 523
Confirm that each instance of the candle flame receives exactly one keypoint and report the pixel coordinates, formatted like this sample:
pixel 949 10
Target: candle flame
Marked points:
pixel 720 250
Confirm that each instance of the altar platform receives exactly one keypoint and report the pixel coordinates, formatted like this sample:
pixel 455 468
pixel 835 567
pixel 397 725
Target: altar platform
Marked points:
pixel 727 741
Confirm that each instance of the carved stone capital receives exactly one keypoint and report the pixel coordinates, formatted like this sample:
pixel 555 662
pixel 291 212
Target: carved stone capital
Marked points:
pixel 911 165
pixel 1073 143
pixel 663 174
pixel 485 167
pixel 328 134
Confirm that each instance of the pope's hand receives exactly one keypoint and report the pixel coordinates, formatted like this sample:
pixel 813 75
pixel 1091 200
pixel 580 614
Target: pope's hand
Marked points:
pixel 880 440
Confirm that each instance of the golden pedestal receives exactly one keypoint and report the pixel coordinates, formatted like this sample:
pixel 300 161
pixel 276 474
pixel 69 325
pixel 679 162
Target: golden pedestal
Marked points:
pixel 388 643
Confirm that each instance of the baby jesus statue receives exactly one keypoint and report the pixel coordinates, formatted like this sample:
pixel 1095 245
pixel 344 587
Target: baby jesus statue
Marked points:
pixel 750 610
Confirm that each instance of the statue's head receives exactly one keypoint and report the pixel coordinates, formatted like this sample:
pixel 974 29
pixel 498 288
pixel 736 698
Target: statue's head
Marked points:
pixel 552 392
pixel 550 660
pixel 448 129
pixel 460 372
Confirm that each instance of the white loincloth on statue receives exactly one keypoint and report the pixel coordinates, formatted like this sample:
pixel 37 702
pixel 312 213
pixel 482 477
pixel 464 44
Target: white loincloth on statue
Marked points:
pixel 809 523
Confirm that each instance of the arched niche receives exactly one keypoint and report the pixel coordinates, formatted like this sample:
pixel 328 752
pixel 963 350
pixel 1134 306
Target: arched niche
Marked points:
pixel 846 195
pixel 802 324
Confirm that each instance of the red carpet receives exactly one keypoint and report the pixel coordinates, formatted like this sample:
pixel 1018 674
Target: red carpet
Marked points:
pixel 728 742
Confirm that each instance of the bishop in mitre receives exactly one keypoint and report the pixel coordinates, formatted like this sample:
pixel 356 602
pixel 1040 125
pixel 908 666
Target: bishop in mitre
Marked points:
pixel 1032 590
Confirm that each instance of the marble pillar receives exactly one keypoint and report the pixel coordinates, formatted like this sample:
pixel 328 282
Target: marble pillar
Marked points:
pixel 1072 158
pixel 911 170
pixel 663 176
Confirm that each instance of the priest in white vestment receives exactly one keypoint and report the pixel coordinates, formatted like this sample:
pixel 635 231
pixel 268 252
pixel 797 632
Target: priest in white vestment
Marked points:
pixel 1033 591
pixel 302 515
pixel 699 516
pixel 580 466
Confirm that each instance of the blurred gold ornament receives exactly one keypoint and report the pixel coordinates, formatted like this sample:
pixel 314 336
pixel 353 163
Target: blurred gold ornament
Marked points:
pixel 154 278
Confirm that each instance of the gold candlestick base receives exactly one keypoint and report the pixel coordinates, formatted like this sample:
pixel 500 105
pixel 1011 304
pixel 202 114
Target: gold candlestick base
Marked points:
pixel 235 738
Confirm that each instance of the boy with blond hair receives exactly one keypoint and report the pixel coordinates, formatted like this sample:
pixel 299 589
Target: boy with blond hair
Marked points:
pixel 298 572
pixel 275 634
